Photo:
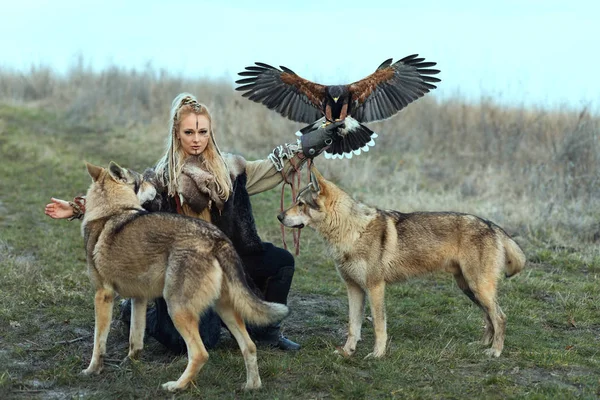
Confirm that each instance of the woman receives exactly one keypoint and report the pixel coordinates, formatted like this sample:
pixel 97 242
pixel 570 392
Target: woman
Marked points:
pixel 219 194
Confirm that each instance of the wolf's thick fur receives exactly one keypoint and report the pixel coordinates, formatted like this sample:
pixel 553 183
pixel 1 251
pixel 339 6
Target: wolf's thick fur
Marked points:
pixel 374 247
pixel 189 262
pixel 198 186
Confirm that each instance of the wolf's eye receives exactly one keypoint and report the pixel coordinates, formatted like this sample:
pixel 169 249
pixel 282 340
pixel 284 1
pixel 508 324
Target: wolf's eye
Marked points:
pixel 300 203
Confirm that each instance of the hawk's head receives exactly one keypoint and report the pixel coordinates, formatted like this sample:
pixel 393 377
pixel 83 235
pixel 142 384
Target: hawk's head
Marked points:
pixel 337 93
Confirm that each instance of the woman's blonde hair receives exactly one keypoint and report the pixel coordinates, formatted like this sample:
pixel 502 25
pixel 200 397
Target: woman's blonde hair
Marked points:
pixel 169 166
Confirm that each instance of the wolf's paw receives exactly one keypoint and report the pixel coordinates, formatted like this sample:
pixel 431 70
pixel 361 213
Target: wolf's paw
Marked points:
pixel 128 362
pixel 133 355
pixel 252 385
pixel 95 370
pixel 492 352
pixel 343 352
pixel 173 386
pixel 375 354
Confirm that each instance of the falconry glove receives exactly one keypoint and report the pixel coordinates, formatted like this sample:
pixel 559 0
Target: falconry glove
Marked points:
pixel 314 142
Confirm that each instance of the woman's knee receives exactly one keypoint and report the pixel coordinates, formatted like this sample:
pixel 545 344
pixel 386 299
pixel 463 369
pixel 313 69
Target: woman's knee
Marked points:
pixel 278 256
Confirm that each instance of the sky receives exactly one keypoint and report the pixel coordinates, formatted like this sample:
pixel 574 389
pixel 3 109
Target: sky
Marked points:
pixel 527 52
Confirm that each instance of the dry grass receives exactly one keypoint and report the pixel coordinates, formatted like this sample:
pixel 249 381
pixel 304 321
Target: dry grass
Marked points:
pixel 532 170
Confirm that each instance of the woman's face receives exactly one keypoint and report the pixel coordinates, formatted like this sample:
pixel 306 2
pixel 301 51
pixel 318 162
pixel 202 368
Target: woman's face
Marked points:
pixel 194 133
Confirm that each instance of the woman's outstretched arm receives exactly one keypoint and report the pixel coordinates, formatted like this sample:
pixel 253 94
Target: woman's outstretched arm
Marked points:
pixel 61 209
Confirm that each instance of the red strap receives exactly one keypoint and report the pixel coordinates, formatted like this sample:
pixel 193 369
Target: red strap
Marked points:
pixel 294 184
pixel 178 204
pixel 281 208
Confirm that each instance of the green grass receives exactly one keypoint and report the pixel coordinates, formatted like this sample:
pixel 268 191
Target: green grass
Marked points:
pixel 46 313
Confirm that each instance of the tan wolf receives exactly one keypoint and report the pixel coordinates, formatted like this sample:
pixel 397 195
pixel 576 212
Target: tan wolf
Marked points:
pixel 374 247
pixel 189 262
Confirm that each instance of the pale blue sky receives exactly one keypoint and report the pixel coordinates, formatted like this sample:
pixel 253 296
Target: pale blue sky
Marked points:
pixel 520 52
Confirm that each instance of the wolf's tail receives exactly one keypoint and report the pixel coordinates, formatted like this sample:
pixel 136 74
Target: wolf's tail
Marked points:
pixel 251 307
pixel 515 258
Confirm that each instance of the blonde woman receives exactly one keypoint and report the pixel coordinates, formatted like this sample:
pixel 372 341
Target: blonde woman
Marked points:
pixel 194 178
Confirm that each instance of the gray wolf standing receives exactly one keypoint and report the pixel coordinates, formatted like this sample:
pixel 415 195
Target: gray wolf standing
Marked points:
pixel 374 247
pixel 189 262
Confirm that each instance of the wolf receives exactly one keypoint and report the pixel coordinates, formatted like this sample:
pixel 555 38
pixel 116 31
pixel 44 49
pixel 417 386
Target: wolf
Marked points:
pixel 374 247
pixel 187 261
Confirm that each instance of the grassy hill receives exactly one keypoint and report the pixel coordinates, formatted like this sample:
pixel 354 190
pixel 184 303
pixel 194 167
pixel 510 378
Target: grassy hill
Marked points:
pixel 532 171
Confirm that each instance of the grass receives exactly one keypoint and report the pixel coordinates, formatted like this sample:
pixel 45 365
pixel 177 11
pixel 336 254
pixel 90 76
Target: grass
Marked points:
pixel 46 317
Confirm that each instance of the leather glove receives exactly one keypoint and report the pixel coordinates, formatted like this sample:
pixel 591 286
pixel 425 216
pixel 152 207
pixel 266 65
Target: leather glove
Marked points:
pixel 317 140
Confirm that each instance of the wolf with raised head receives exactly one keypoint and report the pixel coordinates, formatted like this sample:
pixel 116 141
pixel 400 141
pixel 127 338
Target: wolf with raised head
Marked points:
pixel 187 261
pixel 374 247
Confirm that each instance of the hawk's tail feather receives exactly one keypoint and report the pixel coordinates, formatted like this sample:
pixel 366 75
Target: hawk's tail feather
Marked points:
pixel 351 140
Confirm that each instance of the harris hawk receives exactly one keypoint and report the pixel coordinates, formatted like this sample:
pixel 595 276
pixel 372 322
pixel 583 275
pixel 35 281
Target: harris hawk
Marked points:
pixel 376 97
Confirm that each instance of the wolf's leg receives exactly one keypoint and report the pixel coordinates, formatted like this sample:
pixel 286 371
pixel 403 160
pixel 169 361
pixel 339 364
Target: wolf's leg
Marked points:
pixel 377 303
pixel 499 332
pixel 356 311
pixel 485 292
pixel 103 305
pixel 237 327
pixel 498 319
pixel 489 327
pixel 137 327
pixel 488 334
pixel 186 322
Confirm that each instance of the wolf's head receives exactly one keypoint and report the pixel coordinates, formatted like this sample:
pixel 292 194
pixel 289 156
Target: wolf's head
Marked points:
pixel 111 187
pixel 118 187
pixel 310 205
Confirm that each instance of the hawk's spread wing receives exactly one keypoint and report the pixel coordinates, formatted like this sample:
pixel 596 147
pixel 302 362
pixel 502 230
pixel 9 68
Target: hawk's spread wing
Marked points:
pixel 282 90
pixel 391 88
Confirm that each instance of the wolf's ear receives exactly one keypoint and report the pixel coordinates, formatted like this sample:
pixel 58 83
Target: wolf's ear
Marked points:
pixel 93 170
pixel 314 179
pixel 118 174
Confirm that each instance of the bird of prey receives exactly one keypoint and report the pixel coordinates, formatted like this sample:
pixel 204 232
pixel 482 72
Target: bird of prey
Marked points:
pixel 376 97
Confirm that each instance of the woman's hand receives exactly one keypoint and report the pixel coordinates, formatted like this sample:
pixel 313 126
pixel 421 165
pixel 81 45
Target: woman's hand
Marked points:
pixel 58 209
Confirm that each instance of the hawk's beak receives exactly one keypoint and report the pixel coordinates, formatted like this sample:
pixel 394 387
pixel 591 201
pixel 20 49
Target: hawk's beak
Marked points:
pixel 335 99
